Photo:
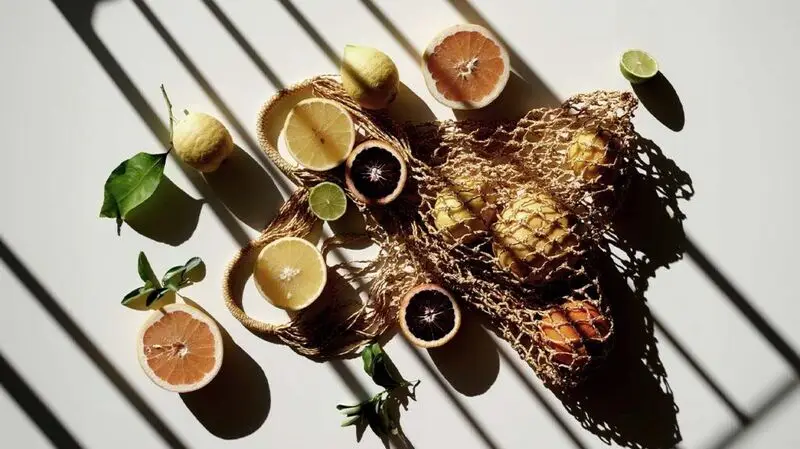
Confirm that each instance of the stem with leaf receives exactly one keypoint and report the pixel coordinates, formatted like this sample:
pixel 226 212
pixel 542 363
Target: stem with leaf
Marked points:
pixel 381 412
pixel 171 116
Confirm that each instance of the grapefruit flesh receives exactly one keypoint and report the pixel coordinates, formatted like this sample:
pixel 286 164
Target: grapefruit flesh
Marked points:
pixel 180 348
pixel 465 67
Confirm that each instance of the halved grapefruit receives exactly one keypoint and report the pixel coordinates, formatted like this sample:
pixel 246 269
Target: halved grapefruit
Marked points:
pixel 180 348
pixel 465 67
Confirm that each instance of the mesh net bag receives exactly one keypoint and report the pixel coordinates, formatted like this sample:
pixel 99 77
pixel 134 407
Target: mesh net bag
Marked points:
pixel 506 215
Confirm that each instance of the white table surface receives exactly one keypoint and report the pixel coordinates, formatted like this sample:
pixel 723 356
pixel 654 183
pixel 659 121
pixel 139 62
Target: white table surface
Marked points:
pixel 71 85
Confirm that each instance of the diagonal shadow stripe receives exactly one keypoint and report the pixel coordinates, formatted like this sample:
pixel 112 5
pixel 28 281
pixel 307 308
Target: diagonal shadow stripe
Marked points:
pixel 524 378
pixel 311 31
pixel 237 36
pixel 78 15
pixel 211 93
pixel 745 307
pixel 32 405
pixel 740 415
pixel 51 306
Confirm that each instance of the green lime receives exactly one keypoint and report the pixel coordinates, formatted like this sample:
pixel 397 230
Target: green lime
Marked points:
pixel 327 201
pixel 637 66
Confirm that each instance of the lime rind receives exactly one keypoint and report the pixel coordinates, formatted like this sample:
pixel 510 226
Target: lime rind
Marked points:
pixel 327 201
pixel 637 66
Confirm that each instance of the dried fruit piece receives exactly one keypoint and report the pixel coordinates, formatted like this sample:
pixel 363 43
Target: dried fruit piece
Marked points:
pixel 571 332
pixel 533 236
pixel 375 172
pixel 590 157
pixel 429 316
pixel 462 211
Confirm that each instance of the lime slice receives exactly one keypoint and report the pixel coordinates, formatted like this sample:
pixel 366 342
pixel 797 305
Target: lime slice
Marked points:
pixel 637 66
pixel 290 273
pixel 327 201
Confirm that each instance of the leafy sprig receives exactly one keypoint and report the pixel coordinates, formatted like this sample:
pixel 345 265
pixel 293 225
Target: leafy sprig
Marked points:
pixel 173 280
pixel 381 412
pixel 136 179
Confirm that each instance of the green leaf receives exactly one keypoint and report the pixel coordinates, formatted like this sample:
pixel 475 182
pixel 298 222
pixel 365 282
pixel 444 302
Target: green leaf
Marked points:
pixel 134 298
pixel 351 420
pixel 131 184
pixel 349 410
pixel 155 295
pixel 110 209
pixel 146 271
pixel 195 270
pixel 173 277
pixel 374 420
pixel 367 358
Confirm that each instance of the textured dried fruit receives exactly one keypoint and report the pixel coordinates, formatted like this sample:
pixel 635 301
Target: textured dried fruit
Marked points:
pixel 533 236
pixel 589 157
pixel 569 330
pixel 463 211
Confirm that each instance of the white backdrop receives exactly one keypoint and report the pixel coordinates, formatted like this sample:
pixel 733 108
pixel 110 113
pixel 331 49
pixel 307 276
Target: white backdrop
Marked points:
pixel 79 94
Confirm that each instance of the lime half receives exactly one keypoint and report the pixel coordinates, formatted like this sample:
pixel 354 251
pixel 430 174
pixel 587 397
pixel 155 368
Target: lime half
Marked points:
pixel 327 201
pixel 637 66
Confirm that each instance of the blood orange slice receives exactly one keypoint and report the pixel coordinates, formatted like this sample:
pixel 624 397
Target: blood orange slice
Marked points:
pixel 180 348
pixel 429 316
pixel 465 67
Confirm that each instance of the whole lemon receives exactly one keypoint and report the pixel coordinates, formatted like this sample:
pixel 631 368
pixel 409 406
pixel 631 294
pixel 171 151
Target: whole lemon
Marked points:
pixel 461 211
pixel 202 141
pixel 369 76
pixel 533 236
pixel 588 156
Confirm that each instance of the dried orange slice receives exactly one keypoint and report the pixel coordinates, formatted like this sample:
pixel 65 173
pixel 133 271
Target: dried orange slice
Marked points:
pixel 465 67
pixel 180 348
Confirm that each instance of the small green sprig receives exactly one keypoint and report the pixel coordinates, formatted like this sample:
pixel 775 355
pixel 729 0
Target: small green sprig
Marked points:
pixel 382 411
pixel 175 279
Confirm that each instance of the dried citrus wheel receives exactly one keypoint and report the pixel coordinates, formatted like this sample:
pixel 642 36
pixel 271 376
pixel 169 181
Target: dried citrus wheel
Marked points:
pixel 290 273
pixel 319 133
pixel 429 316
pixel 465 67
pixel 180 348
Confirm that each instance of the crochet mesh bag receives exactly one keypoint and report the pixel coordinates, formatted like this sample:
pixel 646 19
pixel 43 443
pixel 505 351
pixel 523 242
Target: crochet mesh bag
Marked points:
pixel 505 215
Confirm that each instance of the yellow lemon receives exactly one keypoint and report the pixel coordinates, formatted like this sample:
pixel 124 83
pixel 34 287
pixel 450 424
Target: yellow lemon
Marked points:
pixel 319 133
pixel 201 141
pixel 290 273
pixel 369 76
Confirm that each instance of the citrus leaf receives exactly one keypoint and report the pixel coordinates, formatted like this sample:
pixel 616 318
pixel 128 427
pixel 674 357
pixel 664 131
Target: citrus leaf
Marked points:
pixel 366 357
pixel 349 410
pixel 110 209
pixel 173 277
pixel 155 295
pixel 195 269
pixel 351 420
pixel 137 295
pixel 131 184
pixel 146 271
pixel 374 420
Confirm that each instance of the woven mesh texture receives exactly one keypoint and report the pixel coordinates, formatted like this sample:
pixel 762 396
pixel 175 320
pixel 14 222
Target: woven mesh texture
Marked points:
pixel 506 215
